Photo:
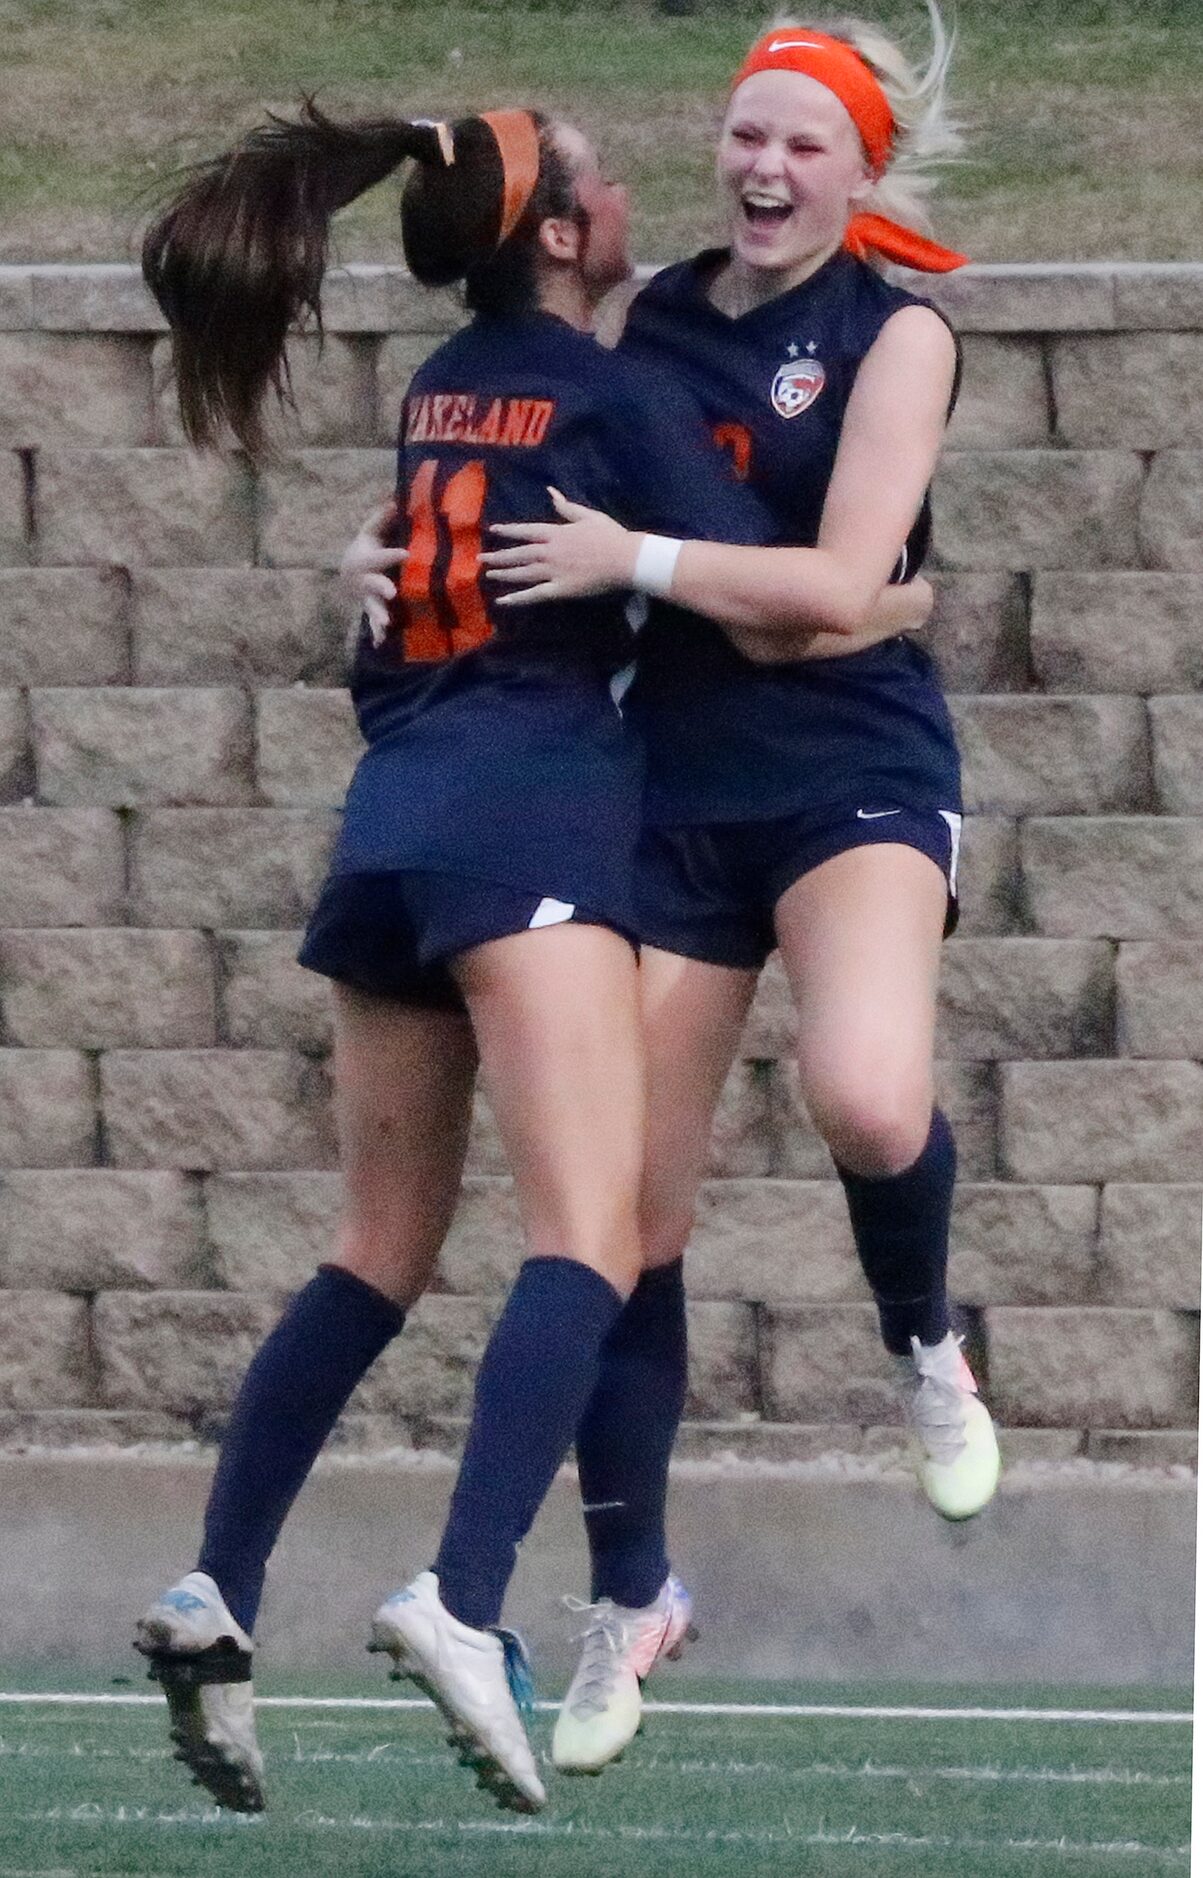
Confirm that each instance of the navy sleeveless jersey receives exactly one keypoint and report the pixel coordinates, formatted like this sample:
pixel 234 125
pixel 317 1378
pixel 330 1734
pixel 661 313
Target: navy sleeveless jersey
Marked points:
pixel 495 747
pixel 728 740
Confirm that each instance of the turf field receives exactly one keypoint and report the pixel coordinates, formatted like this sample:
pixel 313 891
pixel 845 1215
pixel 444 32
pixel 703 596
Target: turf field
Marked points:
pixel 1082 114
pixel 888 1782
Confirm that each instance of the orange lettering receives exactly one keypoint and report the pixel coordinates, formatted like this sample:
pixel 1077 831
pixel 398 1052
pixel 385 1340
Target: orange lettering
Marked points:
pixel 517 411
pixel 540 418
pixel 736 438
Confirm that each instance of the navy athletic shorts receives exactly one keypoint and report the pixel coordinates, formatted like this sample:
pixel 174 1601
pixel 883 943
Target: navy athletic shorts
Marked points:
pixel 394 933
pixel 709 892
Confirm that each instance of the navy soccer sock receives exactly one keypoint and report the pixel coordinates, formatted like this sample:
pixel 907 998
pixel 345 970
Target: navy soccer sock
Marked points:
pixel 626 1437
pixel 900 1224
pixel 298 1384
pixel 535 1378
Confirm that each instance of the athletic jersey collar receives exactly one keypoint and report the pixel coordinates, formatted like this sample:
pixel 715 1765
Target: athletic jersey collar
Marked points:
pixel 703 267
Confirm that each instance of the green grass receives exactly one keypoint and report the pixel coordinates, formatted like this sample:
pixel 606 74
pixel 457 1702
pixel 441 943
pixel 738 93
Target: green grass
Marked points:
pixel 1081 114
pixel 363 1792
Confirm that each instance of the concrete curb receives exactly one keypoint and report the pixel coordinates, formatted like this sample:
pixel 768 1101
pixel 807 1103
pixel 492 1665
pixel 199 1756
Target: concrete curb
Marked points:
pixel 1079 1573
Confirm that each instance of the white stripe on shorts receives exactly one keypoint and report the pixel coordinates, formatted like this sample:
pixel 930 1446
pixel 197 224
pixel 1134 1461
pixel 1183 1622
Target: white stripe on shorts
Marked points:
pixel 551 913
pixel 954 826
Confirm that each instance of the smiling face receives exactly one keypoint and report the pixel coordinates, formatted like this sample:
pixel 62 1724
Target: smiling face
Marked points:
pixel 792 168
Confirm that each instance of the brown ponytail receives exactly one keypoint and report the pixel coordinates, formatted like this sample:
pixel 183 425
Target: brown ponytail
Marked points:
pixel 239 254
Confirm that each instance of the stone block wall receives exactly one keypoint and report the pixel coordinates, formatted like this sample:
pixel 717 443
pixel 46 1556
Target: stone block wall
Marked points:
pixel 174 743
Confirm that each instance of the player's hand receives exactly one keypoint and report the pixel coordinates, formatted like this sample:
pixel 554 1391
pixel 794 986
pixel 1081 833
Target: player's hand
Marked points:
pixel 361 569
pixel 918 596
pixel 586 552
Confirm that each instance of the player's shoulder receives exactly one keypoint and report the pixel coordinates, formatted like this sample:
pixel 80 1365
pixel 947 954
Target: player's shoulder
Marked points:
pixel 630 379
pixel 888 296
pixel 871 308
pixel 446 360
pixel 646 405
pixel 608 382
pixel 522 338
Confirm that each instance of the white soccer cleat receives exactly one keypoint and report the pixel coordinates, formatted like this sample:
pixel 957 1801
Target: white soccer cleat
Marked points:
pixel 960 1463
pixel 603 1708
pixel 477 1678
pixel 202 1657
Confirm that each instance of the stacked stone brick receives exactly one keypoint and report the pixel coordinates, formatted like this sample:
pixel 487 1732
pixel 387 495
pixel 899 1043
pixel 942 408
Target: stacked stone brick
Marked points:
pixel 174 743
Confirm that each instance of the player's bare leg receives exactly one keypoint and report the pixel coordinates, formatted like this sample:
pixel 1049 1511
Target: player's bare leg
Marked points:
pixel 403 1080
pixel 556 1018
pixel 693 1016
pixel 860 939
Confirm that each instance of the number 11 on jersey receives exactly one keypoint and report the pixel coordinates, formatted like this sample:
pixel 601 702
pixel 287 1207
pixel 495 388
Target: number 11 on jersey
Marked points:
pixel 442 606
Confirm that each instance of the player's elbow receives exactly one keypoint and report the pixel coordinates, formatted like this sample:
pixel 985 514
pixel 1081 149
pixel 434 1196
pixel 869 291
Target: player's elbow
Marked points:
pixel 840 607
pixel 835 598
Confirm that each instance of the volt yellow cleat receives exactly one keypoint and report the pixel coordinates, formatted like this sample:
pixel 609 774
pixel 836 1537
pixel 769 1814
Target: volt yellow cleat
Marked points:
pixel 620 1647
pixel 959 1462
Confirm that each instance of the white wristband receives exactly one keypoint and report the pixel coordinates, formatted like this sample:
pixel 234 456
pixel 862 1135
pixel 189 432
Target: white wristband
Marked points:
pixel 655 565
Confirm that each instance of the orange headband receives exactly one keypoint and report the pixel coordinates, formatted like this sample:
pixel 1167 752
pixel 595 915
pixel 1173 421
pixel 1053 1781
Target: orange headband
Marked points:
pixel 842 70
pixel 518 141
pixel 836 65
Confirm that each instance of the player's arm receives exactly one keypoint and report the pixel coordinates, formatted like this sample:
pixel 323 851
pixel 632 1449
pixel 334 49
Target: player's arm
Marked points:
pixel 890 440
pixel 898 608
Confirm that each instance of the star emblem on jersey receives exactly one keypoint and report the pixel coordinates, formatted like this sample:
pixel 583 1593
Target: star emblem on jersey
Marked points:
pixel 797 385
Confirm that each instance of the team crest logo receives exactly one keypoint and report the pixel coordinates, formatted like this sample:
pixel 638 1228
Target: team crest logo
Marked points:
pixel 796 386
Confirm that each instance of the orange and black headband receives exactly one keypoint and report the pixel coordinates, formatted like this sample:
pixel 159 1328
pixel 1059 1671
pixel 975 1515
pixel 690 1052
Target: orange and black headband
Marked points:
pixel 840 68
pixel 517 137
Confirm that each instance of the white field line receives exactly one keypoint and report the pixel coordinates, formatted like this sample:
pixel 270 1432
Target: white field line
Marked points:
pixel 396 1758
pixel 873 1770
pixel 795 1711
pixel 92 1813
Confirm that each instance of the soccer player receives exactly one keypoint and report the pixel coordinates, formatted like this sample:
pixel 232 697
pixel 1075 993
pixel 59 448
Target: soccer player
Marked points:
pixel 479 900
pixel 811 803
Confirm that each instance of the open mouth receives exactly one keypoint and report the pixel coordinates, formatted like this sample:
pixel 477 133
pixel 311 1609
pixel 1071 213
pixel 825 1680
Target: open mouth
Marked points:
pixel 764 211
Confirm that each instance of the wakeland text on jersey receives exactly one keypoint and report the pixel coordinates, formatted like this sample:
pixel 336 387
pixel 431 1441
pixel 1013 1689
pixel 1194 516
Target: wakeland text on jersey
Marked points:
pixel 465 417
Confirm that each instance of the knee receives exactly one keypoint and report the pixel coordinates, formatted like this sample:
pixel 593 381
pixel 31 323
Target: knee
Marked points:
pixel 876 1132
pixel 599 1230
pixel 387 1260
